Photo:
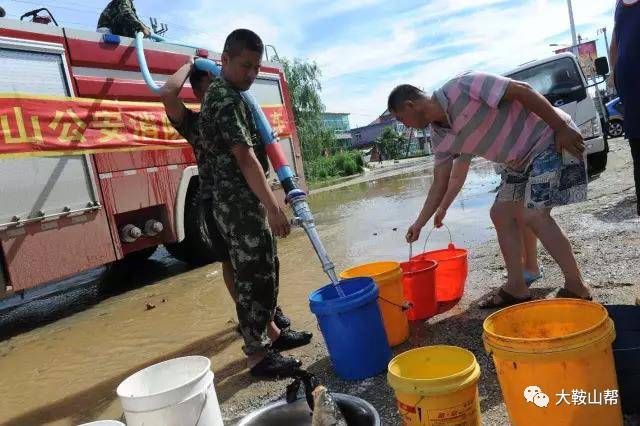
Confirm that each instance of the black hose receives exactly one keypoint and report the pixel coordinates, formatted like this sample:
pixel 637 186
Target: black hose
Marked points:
pixel 36 11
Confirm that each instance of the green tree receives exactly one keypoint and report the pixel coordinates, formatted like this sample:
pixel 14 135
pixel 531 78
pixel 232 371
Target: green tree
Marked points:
pixel 391 143
pixel 303 80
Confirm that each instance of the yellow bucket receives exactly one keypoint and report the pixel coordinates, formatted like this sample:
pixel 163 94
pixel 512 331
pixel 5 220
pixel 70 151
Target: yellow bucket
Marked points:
pixel 388 278
pixel 544 351
pixel 436 385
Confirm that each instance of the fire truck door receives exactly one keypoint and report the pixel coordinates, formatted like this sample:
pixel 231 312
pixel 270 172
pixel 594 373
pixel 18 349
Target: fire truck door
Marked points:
pixel 51 222
pixel 33 187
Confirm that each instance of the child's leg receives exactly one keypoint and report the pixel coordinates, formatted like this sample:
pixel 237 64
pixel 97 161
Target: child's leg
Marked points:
pixel 558 246
pixel 503 215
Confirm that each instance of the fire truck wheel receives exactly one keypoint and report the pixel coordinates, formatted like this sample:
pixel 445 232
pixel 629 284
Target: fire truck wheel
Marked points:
pixel 177 250
pixel 197 248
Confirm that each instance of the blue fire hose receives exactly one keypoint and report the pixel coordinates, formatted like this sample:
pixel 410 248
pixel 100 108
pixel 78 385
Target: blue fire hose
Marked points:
pixel 295 197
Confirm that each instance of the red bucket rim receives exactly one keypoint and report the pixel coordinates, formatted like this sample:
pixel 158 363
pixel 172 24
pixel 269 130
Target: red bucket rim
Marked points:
pixel 433 265
pixel 459 252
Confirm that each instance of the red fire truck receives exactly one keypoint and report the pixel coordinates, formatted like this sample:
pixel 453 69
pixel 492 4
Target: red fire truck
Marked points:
pixel 64 213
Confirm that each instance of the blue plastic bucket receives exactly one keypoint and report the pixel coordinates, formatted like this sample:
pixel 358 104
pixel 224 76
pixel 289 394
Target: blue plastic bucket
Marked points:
pixel 352 328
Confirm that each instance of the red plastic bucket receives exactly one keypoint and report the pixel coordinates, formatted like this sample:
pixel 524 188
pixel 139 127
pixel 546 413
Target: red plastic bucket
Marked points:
pixel 419 286
pixel 452 270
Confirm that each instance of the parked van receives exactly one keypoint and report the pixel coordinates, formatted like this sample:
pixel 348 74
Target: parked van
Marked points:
pixel 560 80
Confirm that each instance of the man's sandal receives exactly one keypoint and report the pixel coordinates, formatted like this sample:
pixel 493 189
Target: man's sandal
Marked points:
pixel 506 299
pixel 563 293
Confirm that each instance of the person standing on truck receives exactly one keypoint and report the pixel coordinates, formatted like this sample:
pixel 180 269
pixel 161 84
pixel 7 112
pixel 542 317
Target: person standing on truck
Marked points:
pixel 120 18
pixel 625 62
pixel 187 123
pixel 244 207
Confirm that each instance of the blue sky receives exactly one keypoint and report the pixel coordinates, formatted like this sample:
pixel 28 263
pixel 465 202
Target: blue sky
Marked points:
pixel 366 47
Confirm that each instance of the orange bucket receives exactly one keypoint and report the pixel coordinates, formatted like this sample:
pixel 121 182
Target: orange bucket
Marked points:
pixel 452 271
pixel 419 286
pixel 388 278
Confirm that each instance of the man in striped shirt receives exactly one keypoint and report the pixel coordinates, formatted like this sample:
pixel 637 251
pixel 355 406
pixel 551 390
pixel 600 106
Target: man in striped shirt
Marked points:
pixel 506 122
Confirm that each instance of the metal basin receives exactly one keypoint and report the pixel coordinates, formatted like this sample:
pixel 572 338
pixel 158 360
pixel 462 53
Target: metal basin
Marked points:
pixel 357 412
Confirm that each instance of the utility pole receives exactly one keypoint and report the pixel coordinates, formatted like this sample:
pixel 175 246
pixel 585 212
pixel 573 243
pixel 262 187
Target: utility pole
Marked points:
pixel 574 48
pixel 606 40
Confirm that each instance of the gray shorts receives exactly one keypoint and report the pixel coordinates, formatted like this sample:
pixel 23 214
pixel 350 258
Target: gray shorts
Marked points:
pixel 547 182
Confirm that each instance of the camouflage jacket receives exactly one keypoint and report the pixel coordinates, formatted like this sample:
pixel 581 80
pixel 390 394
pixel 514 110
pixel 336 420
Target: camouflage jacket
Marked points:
pixel 225 122
pixel 190 130
pixel 121 18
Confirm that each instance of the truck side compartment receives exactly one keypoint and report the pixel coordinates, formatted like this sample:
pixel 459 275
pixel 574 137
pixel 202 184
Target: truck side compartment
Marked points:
pixel 52 220
pixel 71 213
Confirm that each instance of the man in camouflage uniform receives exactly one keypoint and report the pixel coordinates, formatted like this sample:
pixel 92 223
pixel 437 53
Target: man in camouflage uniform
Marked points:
pixel 120 18
pixel 245 208
pixel 187 123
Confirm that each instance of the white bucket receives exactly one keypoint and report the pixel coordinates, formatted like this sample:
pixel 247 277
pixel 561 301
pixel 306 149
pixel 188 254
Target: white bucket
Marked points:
pixel 104 423
pixel 178 392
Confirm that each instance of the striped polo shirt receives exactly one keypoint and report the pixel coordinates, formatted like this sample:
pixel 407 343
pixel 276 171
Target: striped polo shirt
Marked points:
pixel 483 124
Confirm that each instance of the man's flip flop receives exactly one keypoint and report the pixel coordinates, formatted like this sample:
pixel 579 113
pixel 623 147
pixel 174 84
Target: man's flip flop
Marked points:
pixel 506 299
pixel 563 293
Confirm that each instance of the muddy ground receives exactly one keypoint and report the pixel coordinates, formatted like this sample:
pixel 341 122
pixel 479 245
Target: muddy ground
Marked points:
pixel 62 356
pixel 606 237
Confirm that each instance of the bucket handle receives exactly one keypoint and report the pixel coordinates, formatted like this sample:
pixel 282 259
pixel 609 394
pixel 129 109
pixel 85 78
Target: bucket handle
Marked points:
pixel 415 407
pixel 424 249
pixel 410 257
pixel 404 307
pixel 204 403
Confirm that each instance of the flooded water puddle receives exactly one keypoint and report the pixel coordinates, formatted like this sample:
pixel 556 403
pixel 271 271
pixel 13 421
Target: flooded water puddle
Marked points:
pixel 62 357
pixel 368 221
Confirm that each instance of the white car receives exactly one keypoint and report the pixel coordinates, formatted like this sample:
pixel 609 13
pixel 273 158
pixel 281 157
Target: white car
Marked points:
pixel 560 80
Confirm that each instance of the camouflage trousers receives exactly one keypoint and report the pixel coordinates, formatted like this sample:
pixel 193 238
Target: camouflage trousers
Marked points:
pixel 253 253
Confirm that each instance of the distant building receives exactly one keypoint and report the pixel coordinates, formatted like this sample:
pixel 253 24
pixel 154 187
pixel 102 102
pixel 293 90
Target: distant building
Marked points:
pixel 365 137
pixel 339 123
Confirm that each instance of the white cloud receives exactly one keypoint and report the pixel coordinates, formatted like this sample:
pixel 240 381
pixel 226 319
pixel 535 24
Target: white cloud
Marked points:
pixel 337 7
pixel 367 53
pixel 422 45
pixel 364 59
pixel 503 38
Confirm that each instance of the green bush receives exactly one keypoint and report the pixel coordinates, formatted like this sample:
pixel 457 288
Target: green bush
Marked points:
pixel 341 160
pixel 359 160
pixel 341 164
pixel 350 167
pixel 322 173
